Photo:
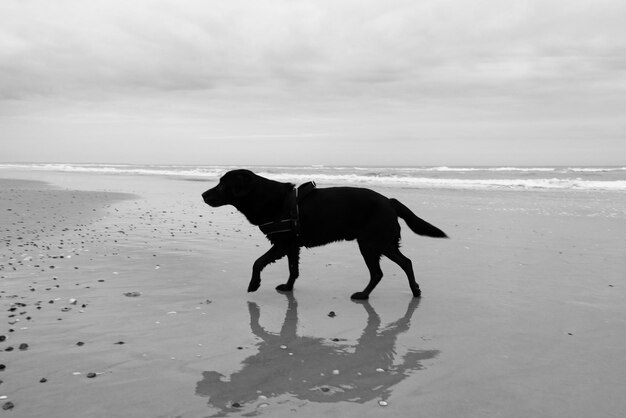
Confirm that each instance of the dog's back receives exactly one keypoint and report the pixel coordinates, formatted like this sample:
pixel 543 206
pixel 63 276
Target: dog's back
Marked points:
pixel 345 213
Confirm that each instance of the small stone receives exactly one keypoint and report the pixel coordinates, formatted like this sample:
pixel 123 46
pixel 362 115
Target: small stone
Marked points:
pixel 43 380
pixel 236 405
pixel 380 370
pixel 8 405
pixel 283 347
pixel 73 301
pixel 2 367
pixel 91 375
pixel 80 343
pixel 120 343
pixel 23 346
pixel 382 403
pixel 332 314
pixel 335 372
pixel 132 294
pixel 2 338
pixel 325 389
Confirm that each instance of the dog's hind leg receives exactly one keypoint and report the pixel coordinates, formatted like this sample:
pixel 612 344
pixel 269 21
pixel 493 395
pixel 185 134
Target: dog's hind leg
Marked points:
pixel 275 253
pixel 405 264
pixel 371 255
pixel 293 256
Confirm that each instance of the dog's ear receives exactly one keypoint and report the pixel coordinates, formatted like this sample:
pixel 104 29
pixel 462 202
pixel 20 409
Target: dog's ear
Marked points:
pixel 242 184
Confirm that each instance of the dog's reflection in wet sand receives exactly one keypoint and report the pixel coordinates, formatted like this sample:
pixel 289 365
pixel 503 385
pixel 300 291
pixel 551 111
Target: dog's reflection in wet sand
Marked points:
pixel 315 369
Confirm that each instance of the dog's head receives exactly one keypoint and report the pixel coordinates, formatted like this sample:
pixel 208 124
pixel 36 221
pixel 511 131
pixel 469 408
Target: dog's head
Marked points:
pixel 233 186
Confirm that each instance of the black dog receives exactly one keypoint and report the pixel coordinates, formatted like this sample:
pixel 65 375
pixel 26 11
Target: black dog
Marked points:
pixel 310 217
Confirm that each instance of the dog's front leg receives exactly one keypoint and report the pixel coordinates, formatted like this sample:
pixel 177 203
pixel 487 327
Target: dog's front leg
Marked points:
pixel 275 253
pixel 293 256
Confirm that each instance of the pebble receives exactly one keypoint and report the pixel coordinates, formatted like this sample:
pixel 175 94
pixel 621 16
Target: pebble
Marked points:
pixel 332 314
pixel 283 347
pixel 2 367
pixel 91 375
pixel 382 403
pixel 23 346
pixel 380 370
pixel 132 294
pixel 8 405
pixel 335 372
pixel 43 380
pixel 236 405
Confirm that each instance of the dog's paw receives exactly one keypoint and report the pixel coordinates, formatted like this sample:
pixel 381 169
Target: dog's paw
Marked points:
pixel 284 288
pixel 253 286
pixel 360 296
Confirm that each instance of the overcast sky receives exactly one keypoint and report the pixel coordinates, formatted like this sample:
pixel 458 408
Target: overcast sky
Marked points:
pixel 407 82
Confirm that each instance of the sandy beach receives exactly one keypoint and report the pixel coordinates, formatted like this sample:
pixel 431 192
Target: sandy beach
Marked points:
pixel 125 296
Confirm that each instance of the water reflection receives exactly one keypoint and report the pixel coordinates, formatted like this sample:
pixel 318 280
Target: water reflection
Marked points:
pixel 315 369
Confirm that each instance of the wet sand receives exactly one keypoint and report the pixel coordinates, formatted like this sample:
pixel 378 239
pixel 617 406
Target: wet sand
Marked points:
pixel 126 297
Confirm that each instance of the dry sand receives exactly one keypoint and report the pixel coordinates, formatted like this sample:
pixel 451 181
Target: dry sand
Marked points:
pixel 136 280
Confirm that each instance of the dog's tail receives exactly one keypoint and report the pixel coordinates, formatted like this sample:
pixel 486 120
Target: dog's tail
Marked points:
pixel 417 225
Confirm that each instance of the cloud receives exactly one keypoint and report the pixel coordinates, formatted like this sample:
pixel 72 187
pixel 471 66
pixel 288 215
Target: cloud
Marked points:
pixel 73 47
pixel 336 69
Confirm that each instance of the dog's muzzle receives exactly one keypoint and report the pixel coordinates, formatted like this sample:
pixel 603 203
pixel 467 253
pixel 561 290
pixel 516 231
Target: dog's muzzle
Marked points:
pixel 211 199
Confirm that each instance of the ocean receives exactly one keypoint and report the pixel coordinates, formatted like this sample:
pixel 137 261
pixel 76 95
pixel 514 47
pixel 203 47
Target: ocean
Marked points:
pixel 477 178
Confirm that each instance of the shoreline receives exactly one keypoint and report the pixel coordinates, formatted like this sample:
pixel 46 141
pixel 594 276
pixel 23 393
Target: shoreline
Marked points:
pixel 528 285
pixel 568 179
